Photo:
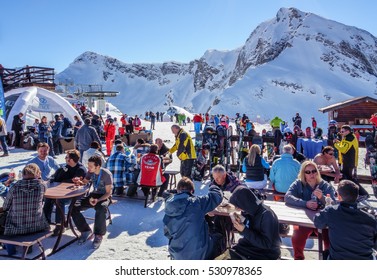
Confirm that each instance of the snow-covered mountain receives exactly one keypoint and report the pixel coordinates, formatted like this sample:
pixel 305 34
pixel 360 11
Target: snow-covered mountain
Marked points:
pixel 295 62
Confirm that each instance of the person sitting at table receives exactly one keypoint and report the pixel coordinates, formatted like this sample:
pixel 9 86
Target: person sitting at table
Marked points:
pixel 308 191
pixel 152 173
pixel 72 169
pixel 119 164
pixel 99 199
pixel 47 164
pixel 23 206
pixel 328 165
pixel 297 155
pixel 4 186
pixel 226 181
pixel 284 171
pixel 141 147
pixel 95 149
pixel 259 228
pixel 185 225
pixel 352 231
pixel 163 152
pixel 254 166
pixel 127 150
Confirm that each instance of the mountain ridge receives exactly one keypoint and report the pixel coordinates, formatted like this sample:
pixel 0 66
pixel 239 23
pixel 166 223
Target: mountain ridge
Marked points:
pixel 296 61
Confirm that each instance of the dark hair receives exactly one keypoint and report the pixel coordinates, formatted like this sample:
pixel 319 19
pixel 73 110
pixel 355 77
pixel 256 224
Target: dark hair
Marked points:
pixel 153 149
pixel 73 155
pixel 118 141
pixel 347 127
pixel 96 160
pixel 87 121
pixel 185 184
pixel 348 190
pixel 327 149
pixel 119 147
pixel 140 141
pixel 95 145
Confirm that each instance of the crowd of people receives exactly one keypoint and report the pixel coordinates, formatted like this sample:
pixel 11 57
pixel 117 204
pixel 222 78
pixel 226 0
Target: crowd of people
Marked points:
pixel 138 166
pixel 192 231
pixel 298 181
pixel 51 131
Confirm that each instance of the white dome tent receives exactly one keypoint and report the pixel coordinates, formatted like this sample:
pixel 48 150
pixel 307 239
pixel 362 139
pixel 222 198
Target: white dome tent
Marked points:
pixel 35 102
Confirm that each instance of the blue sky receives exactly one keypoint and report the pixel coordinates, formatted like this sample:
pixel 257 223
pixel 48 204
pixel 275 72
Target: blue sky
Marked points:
pixel 52 33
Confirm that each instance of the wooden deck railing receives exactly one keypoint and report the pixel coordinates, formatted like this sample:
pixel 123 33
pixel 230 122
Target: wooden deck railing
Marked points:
pixel 27 76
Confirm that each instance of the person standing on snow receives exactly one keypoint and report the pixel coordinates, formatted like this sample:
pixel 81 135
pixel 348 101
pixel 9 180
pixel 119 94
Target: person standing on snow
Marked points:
pixel 297 120
pixel 185 150
pixel 314 125
pixel 110 135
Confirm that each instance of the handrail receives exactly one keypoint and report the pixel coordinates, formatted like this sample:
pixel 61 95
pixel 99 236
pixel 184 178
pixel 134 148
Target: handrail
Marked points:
pixel 27 75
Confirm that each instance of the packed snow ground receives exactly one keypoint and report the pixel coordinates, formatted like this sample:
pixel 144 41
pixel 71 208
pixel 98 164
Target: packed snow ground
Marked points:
pixel 136 232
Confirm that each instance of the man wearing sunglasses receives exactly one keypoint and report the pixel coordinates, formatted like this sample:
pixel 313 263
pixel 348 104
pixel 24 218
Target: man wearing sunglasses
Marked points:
pixel 348 148
pixel 73 168
pixel 328 165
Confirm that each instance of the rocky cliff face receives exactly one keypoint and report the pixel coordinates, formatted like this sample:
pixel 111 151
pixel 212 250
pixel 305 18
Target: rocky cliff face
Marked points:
pixel 295 52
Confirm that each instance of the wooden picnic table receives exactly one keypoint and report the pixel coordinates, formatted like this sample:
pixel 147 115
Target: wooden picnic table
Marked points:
pixel 297 217
pixel 286 214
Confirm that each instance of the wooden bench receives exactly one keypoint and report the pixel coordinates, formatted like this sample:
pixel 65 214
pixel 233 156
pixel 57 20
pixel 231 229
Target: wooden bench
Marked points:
pixel 172 178
pixel 26 241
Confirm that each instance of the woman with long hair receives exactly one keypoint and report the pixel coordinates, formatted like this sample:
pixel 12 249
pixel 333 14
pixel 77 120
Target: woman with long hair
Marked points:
pixel 308 191
pixel 254 166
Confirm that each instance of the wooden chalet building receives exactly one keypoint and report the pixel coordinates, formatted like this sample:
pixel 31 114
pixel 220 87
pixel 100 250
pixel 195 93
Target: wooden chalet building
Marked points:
pixel 355 112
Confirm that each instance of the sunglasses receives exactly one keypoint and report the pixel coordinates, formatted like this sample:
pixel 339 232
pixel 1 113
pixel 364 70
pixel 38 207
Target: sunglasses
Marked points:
pixel 314 171
pixel 331 154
